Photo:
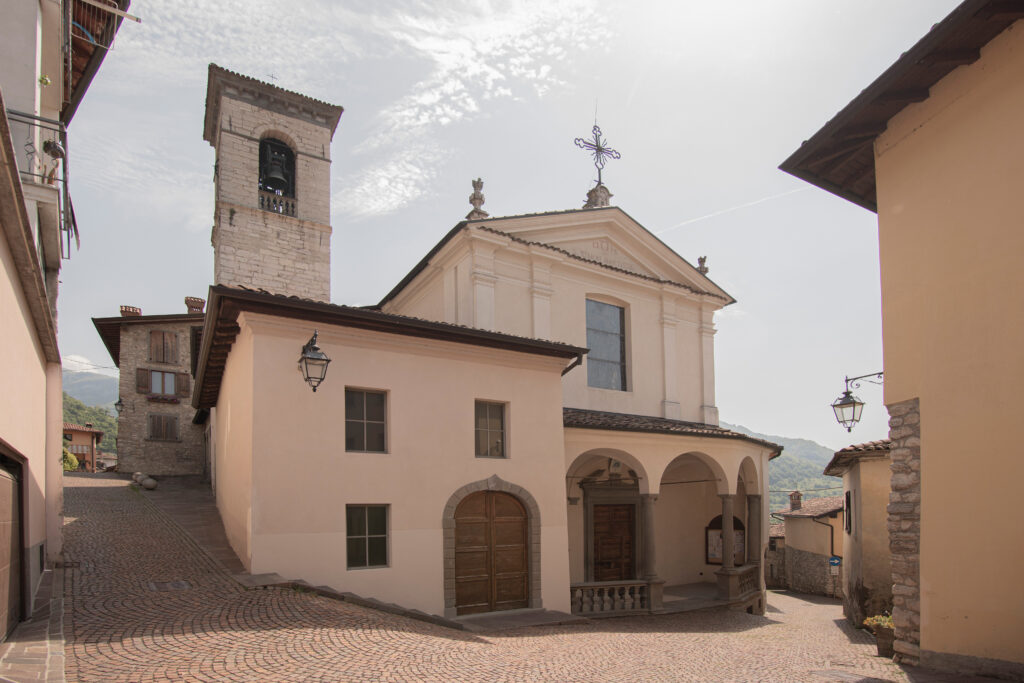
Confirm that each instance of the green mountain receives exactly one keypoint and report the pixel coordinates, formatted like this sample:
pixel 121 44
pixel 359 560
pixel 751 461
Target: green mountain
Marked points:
pixel 91 388
pixel 799 468
pixel 77 412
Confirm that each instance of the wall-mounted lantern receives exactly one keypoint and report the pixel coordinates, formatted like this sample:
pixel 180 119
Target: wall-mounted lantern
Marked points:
pixel 119 406
pixel 313 362
pixel 848 408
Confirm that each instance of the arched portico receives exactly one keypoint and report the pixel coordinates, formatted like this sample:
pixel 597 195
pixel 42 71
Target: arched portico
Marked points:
pixel 533 542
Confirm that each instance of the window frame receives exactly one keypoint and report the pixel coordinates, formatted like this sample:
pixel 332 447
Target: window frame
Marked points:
pixel 623 334
pixel 503 407
pixel 366 535
pixel 163 383
pixel 364 421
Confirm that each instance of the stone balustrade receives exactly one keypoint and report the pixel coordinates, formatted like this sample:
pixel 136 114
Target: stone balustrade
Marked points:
pixel 610 597
pixel 285 206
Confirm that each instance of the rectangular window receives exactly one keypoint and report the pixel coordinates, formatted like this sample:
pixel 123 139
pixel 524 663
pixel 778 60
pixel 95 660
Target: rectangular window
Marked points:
pixel 163 347
pixel 490 429
pixel 848 512
pixel 161 383
pixel 367 535
pixel 606 339
pixel 365 421
pixel 163 427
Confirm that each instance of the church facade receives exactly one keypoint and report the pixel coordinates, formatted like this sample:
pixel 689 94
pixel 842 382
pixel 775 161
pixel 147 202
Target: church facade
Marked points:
pixel 526 420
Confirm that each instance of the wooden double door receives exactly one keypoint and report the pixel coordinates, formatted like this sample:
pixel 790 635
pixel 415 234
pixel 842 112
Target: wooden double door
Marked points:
pixel 614 550
pixel 492 540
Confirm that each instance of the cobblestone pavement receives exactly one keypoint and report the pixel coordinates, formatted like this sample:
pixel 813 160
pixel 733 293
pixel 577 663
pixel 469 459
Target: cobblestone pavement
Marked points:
pixel 124 623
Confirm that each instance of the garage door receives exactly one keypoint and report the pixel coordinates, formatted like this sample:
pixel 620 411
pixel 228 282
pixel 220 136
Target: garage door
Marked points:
pixel 10 552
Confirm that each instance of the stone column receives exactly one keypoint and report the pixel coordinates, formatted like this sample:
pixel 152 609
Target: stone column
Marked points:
pixel 728 536
pixel 655 586
pixel 647 501
pixel 753 529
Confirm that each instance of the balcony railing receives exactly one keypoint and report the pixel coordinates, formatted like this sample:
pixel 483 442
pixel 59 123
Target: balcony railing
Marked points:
pixel 41 150
pixel 610 597
pixel 275 203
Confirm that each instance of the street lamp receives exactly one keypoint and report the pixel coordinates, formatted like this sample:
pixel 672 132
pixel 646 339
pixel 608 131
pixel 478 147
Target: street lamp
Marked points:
pixel 848 408
pixel 313 362
pixel 119 406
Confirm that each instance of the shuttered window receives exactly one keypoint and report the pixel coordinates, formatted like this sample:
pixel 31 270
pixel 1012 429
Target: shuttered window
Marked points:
pixel 160 383
pixel 163 347
pixel 163 427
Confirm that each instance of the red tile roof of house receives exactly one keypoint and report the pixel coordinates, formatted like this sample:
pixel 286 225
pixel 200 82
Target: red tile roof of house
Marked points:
pixel 815 507
pixel 843 459
pixel 72 427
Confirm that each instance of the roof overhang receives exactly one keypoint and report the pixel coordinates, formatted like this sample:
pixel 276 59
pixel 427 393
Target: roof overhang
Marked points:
pixel 87 57
pixel 840 158
pixel 224 304
pixel 110 328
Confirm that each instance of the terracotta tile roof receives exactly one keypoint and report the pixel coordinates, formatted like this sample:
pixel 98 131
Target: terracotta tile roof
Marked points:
pixel 624 422
pixel 71 426
pixel 777 530
pixel 843 459
pixel 814 507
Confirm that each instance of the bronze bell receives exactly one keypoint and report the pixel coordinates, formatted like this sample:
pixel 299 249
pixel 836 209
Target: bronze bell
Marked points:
pixel 275 178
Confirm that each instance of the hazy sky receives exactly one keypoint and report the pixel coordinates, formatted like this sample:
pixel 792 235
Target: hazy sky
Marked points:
pixel 703 100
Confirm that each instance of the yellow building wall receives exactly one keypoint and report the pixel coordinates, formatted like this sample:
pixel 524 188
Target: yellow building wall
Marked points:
pixel 303 478
pixel 866 557
pixel 949 176
pixel 803 533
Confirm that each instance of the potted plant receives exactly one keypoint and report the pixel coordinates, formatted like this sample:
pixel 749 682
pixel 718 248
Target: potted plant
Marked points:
pixel 881 626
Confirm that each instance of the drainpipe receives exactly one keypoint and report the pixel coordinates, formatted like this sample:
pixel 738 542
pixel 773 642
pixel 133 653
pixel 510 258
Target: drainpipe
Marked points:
pixel 831 536
pixel 578 361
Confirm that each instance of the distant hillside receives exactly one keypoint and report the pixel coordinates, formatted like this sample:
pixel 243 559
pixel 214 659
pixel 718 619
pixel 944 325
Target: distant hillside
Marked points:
pixel 798 468
pixel 91 388
pixel 77 412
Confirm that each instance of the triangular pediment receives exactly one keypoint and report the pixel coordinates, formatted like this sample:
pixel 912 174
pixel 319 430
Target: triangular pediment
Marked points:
pixel 612 238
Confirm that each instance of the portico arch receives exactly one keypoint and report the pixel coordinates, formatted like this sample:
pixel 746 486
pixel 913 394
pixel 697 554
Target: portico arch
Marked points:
pixel 715 468
pixel 586 462
pixel 493 483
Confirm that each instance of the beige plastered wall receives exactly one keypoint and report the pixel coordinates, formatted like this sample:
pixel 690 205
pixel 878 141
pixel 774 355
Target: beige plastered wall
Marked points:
pixel 803 533
pixel 682 511
pixel 949 179
pixel 30 417
pixel 490 282
pixel 302 477
pixel 233 437
pixel 866 557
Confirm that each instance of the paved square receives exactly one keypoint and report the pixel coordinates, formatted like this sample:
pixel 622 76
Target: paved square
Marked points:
pixel 118 629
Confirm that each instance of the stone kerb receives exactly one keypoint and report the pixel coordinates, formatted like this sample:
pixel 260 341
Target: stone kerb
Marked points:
pixel 904 525
pixel 493 483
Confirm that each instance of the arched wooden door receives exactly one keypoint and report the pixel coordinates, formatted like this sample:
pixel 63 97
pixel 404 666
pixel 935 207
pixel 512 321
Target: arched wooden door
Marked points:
pixel 491 553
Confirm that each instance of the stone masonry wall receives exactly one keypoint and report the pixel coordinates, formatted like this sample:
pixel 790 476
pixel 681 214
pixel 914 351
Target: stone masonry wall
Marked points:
pixel 775 567
pixel 262 249
pixel 136 452
pixel 808 572
pixel 905 527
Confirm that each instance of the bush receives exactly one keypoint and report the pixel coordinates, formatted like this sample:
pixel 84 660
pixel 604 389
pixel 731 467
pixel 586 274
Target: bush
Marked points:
pixel 70 462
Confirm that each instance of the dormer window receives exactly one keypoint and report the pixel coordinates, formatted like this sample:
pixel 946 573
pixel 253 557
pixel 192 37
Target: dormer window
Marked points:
pixel 277 168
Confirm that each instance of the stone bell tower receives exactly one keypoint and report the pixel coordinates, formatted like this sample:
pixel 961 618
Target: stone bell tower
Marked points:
pixel 272 219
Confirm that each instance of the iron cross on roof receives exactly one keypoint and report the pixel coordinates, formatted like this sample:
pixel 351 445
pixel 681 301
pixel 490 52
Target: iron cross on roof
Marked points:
pixel 599 150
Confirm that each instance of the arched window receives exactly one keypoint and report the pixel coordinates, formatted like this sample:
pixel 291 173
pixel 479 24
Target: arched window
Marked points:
pixel 277 168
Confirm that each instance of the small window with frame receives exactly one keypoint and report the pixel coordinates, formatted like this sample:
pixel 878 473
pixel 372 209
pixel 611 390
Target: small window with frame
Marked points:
pixel 366 530
pixel 365 421
pixel 489 428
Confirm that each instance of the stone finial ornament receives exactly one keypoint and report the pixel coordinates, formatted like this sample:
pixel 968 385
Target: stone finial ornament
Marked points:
pixel 477 200
pixel 597 197
pixel 702 265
